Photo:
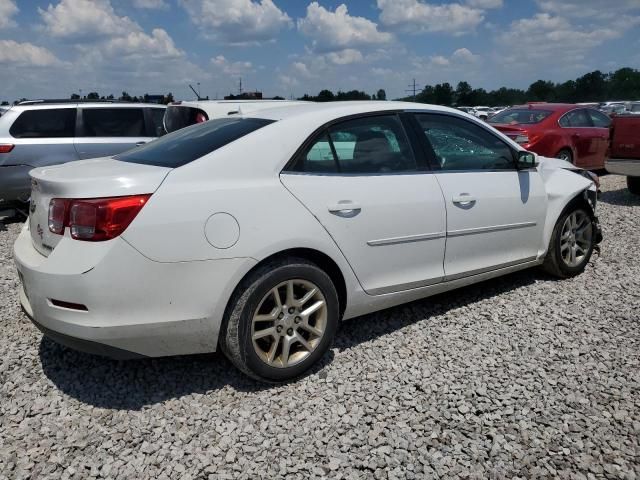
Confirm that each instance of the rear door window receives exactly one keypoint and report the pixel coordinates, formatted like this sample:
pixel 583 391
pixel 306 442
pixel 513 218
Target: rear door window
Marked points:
pixel 49 123
pixel 113 122
pixel 177 117
pixel 157 116
pixel 576 119
pixel 600 120
pixel 190 143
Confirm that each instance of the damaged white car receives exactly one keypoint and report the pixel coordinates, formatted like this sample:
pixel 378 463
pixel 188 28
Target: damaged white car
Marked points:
pixel 258 233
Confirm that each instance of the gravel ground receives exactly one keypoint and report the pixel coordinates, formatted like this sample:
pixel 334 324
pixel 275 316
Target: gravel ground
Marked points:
pixel 519 377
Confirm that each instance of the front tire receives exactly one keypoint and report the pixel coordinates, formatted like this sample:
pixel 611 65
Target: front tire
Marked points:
pixel 633 184
pixel 571 243
pixel 281 320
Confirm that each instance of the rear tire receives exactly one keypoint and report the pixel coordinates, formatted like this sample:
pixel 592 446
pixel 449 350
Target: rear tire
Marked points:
pixel 633 184
pixel 565 154
pixel 281 320
pixel 571 244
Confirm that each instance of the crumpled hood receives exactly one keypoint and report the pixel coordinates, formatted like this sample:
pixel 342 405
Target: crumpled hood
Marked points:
pixel 550 163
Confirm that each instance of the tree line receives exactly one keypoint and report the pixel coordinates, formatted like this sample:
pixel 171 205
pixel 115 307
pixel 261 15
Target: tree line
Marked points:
pixel 596 86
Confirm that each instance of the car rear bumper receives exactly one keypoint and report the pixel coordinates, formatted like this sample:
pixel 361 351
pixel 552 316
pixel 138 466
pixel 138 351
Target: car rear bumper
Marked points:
pixel 628 167
pixel 15 185
pixel 133 306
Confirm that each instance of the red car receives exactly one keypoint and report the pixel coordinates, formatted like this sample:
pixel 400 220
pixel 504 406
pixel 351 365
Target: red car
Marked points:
pixel 572 132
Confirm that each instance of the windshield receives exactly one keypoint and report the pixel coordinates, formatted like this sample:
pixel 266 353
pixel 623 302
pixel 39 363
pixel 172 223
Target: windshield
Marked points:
pixel 515 116
pixel 190 143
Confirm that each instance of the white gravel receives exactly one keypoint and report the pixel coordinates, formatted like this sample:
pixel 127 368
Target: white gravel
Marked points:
pixel 520 377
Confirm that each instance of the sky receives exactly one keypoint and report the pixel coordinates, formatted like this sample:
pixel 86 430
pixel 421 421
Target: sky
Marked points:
pixel 50 49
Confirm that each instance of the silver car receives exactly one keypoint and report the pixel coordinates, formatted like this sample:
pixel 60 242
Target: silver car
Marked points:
pixel 41 133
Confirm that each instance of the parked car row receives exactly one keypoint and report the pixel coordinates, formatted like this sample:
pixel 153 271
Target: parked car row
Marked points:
pixel 257 232
pixel 40 133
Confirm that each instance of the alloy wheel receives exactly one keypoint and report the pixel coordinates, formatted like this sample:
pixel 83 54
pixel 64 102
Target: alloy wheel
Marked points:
pixel 576 238
pixel 289 323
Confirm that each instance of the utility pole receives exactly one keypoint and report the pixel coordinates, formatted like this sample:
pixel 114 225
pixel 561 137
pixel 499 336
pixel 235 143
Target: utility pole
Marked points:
pixel 240 87
pixel 413 88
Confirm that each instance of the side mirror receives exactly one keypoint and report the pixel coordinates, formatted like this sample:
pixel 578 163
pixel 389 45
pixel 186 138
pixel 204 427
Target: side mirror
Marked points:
pixel 526 160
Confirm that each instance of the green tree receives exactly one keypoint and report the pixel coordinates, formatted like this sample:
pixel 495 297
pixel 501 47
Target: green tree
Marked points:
pixel 541 91
pixel 592 87
pixel 443 93
pixel 93 96
pixel 325 96
pixel 75 96
pixel 463 93
pixel 381 95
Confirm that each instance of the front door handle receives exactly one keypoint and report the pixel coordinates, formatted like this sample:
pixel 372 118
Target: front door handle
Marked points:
pixel 140 143
pixel 463 199
pixel 345 208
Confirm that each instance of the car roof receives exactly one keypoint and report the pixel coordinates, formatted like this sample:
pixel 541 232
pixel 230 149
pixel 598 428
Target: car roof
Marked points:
pixel 46 106
pixel 329 110
pixel 554 107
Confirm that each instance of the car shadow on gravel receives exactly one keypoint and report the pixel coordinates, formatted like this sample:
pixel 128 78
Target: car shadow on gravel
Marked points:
pixel 621 196
pixel 134 384
pixel 369 327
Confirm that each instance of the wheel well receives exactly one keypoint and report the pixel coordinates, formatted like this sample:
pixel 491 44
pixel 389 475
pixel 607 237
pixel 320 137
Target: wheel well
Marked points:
pixel 322 260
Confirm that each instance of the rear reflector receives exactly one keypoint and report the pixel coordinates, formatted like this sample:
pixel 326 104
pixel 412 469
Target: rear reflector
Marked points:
pixel 94 219
pixel 6 147
pixel 69 305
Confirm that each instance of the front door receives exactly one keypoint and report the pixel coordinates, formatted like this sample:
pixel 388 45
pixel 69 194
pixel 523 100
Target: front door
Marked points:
pixel 495 213
pixel 386 213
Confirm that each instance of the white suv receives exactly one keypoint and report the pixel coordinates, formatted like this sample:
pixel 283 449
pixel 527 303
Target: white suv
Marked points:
pixel 42 133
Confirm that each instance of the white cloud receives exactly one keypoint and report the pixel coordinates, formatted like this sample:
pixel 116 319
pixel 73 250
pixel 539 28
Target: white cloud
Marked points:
pixel 151 4
pixel 554 41
pixel 465 55
pixel 8 9
pixel 86 19
pixel 416 16
pixel 231 68
pixel 237 21
pixel 598 9
pixel 345 57
pixel 486 4
pixel 301 69
pixel 25 54
pixel 339 31
pixel 104 32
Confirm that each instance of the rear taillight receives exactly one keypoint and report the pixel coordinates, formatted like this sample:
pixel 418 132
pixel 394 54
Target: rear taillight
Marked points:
pixel 6 147
pixel 94 219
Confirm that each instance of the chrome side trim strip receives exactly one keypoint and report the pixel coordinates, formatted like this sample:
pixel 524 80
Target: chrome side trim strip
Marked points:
pixel 494 228
pixel 406 239
pixel 404 286
pixel 479 271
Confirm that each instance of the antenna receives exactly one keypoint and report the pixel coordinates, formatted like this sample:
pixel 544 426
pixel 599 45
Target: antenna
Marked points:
pixel 413 88
pixel 194 91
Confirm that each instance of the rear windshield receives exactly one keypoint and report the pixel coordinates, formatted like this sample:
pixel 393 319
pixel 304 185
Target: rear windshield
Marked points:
pixel 177 117
pixel 524 116
pixel 188 144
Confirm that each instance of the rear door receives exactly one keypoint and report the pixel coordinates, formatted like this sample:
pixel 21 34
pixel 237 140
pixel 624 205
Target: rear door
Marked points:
pixel 601 125
pixel 42 136
pixel 363 181
pixel 106 131
pixel 577 126
pixel 495 213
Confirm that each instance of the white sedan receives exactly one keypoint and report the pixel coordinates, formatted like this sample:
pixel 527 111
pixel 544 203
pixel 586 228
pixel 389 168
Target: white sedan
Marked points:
pixel 259 233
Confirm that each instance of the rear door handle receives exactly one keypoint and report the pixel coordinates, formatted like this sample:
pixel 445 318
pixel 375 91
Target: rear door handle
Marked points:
pixel 464 199
pixel 345 208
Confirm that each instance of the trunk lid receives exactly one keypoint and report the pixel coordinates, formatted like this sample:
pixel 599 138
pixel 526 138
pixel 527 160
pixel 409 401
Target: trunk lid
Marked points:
pixel 511 131
pixel 96 178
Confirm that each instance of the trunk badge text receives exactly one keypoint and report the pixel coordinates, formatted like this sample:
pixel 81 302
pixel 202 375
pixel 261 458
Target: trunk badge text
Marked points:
pixel 39 231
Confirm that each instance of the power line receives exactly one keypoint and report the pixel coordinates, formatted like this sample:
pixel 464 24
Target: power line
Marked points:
pixel 413 88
